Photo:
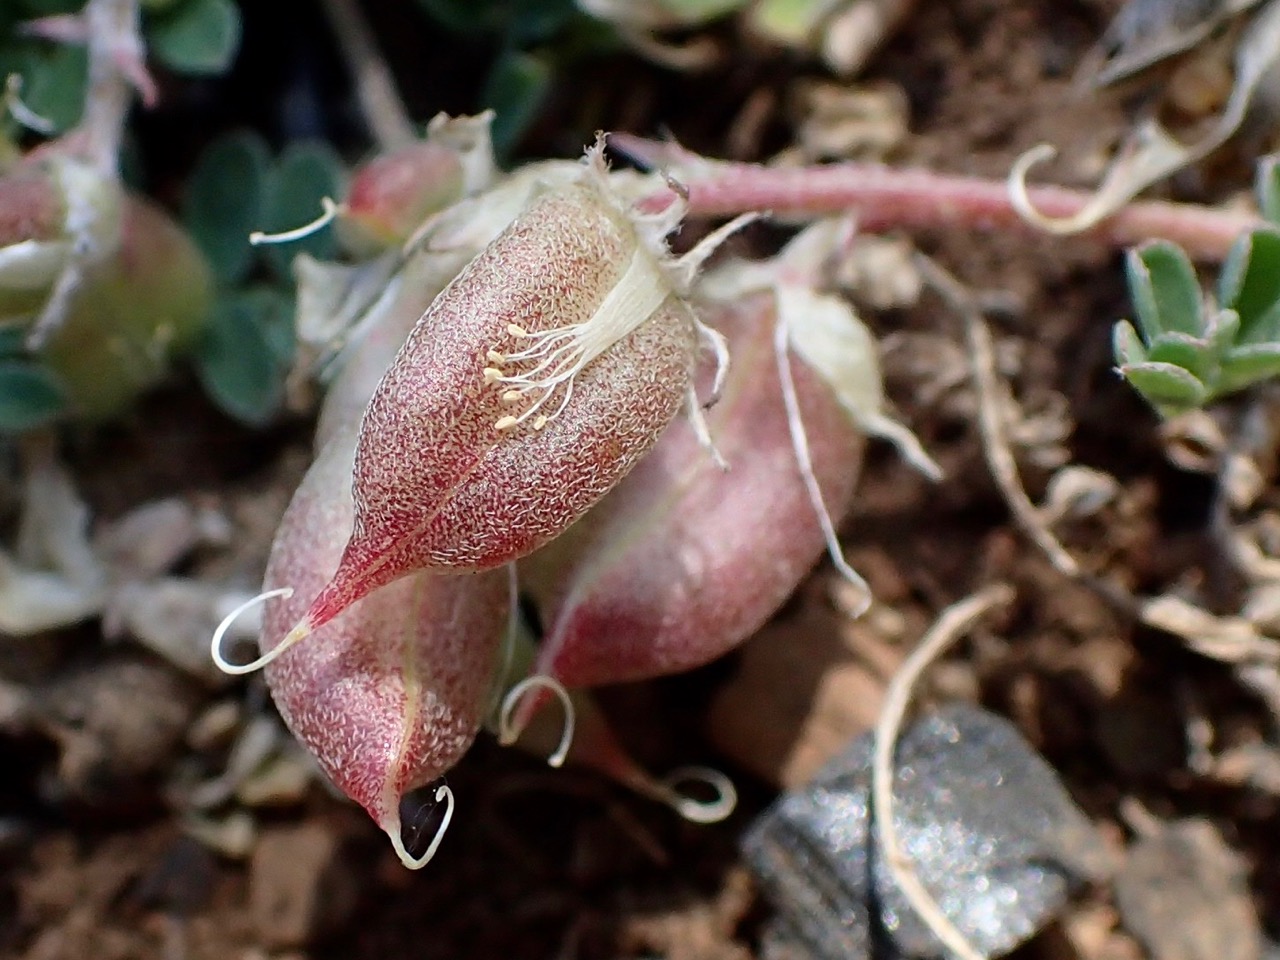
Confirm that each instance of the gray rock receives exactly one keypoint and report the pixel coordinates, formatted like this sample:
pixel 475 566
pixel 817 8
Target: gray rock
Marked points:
pixel 991 832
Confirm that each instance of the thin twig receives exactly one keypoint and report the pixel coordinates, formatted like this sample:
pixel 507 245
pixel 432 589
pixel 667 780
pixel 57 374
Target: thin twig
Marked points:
pixel 384 111
pixel 888 198
pixel 990 392
pixel 991 395
pixel 950 626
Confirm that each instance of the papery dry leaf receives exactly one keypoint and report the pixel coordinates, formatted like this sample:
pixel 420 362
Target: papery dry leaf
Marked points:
pixel 1145 32
pixel 1151 152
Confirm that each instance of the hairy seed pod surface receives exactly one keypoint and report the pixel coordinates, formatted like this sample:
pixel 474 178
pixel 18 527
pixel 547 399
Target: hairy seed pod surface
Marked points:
pixel 532 385
pixel 391 693
pixel 683 561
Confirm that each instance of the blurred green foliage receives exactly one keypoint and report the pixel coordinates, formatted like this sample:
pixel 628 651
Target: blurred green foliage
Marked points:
pixel 30 396
pixel 246 352
pixel 536 41
pixel 194 36
pixel 237 188
pixel 197 37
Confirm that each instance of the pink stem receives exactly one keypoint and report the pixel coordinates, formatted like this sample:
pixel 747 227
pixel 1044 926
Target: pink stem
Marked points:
pixel 885 198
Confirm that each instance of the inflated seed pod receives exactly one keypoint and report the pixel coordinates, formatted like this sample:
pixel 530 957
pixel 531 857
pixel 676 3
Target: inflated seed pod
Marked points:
pixel 142 301
pixel 534 383
pixel 139 309
pixel 682 561
pixel 35 241
pixel 390 694
pixel 390 195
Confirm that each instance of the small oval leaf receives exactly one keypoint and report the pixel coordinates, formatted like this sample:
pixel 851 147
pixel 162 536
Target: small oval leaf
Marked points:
pixel 197 36
pixel 1169 388
pixel 224 202
pixel 30 396
pixel 1164 289
pixel 1250 285
pixel 516 89
pixel 243 356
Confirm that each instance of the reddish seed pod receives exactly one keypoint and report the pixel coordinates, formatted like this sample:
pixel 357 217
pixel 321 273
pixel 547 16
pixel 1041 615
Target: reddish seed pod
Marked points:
pixel 35 203
pixel 139 304
pixel 537 379
pixel 683 561
pixel 390 694
pixel 390 195
pixel 32 207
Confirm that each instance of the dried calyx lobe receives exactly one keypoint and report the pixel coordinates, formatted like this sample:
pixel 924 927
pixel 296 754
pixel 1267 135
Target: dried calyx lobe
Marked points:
pixel 532 385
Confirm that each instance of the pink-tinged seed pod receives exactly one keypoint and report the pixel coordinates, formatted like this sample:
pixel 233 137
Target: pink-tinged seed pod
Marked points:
pixel 390 195
pixel 391 693
pixel 683 561
pixel 537 379
pixel 32 206
pixel 35 202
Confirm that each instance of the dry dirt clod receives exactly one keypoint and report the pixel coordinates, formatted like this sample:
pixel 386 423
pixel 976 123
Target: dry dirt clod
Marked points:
pixel 803 690
pixel 1184 893
pixel 151 538
pixel 118 721
pixel 298 887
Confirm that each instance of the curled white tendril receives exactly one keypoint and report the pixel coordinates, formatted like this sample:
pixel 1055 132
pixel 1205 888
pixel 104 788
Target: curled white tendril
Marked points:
pixel 23 114
pixel 239 669
pixel 698 811
pixel 508 734
pixel 397 841
pixel 329 211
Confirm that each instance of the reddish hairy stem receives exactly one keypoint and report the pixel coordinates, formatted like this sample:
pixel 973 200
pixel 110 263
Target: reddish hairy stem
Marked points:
pixel 884 197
